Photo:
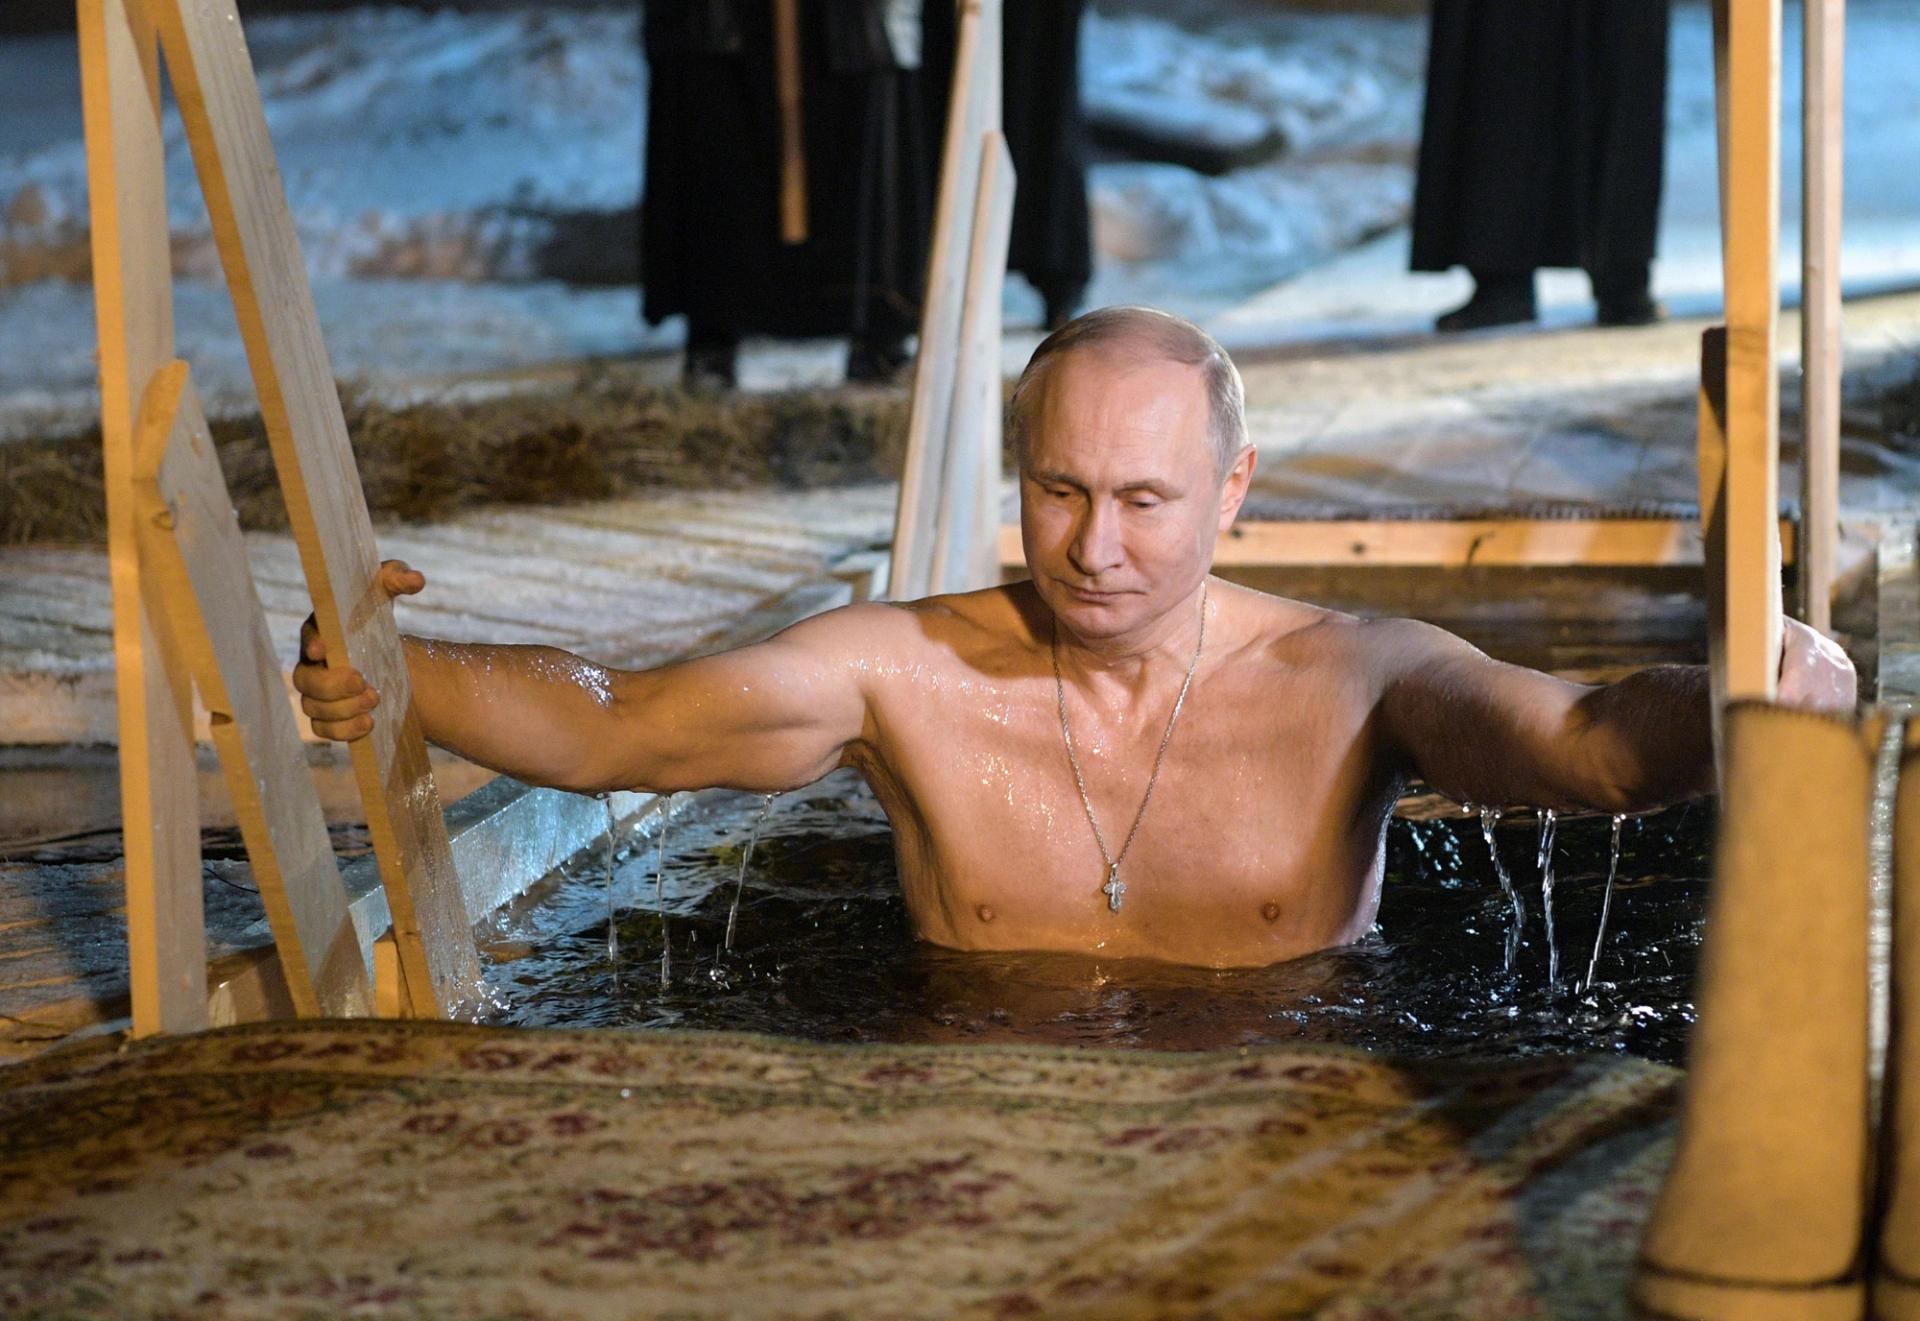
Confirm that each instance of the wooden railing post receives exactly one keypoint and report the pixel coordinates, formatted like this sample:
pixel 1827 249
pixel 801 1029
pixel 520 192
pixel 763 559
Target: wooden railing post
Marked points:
pixel 133 307
pixel 1747 39
pixel 220 106
pixel 944 538
pixel 1823 136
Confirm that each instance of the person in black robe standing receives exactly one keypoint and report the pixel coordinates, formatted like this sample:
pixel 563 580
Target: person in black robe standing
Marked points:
pixel 1046 129
pixel 1543 145
pixel 1052 244
pixel 711 244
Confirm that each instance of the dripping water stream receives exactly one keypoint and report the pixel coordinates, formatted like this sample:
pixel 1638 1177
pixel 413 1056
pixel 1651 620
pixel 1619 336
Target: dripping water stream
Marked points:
pixel 1489 818
pixel 746 858
pixel 1545 864
pixel 1606 906
pixel 660 887
pixel 613 928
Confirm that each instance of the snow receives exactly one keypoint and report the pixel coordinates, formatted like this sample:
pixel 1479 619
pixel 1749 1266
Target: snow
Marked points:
pixel 445 145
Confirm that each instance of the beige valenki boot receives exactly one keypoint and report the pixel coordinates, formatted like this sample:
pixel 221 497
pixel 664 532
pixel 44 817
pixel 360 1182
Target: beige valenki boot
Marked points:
pixel 1763 1217
pixel 1896 1283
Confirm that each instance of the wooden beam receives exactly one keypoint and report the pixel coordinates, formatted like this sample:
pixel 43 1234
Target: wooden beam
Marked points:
pixel 133 310
pixel 968 515
pixel 191 546
pixel 793 143
pixel 253 228
pixel 1712 461
pixel 1624 543
pixel 973 109
pixel 390 996
pixel 1823 136
pixel 1751 223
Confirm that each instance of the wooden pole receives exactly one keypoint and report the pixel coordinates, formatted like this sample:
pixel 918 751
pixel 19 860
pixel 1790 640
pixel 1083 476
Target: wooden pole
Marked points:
pixel 968 520
pixel 1823 136
pixel 793 149
pixel 973 110
pixel 1744 501
pixel 216 631
pixel 1752 227
pixel 133 307
pixel 226 126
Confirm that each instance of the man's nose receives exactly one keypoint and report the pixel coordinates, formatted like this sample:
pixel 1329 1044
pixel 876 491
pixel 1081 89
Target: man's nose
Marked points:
pixel 1096 547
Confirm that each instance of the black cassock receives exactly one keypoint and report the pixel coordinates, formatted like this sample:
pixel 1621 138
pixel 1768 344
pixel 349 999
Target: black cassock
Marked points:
pixel 1052 242
pixel 1544 136
pixel 710 218
pixel 874 127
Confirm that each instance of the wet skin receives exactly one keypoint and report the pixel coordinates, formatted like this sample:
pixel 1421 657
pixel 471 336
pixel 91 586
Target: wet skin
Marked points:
pixel 1263 840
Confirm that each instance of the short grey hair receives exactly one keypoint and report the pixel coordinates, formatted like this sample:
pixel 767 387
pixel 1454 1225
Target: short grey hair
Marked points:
pixel 1156 336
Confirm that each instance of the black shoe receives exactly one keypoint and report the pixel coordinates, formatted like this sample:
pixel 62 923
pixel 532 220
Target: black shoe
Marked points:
pixel 875 361
pixel 710 366
pixel 1494 303
pixel 1634 308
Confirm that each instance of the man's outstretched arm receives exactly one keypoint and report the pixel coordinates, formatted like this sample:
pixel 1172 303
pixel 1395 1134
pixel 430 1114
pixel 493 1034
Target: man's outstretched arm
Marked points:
pixel 772 716
pixel 1482 731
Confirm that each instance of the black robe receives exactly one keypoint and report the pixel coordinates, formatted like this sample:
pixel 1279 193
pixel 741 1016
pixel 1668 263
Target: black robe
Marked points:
pixel 1052 242
pixel 710 217
pixel 1544 136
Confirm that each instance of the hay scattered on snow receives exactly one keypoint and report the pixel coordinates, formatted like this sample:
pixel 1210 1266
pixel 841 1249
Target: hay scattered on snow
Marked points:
pixel 601 438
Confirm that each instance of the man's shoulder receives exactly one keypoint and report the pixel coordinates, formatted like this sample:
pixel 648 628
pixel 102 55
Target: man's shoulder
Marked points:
pixel 969 625
pixel 972 623
pixel 1276 624
pixel 1294 632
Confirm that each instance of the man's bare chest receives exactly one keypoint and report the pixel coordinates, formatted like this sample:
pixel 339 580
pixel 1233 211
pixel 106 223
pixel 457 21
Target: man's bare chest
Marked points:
pixel 1244 843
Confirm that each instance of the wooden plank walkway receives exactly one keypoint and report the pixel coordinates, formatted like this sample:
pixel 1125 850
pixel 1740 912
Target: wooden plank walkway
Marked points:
pixel 625 582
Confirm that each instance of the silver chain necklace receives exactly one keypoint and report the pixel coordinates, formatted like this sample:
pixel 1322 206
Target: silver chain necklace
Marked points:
pixel 1115 889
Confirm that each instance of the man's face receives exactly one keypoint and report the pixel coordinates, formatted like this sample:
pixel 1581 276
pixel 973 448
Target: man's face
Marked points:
pixel 1120 496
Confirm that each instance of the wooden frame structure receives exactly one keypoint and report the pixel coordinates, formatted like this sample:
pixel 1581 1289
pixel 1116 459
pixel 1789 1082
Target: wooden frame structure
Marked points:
pixel 212 74
pixel 214 628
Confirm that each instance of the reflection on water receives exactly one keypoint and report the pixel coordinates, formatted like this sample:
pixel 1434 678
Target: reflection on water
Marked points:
pixel 823 949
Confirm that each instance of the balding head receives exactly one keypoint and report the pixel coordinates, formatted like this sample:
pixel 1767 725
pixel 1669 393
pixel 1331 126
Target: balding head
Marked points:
pixel 1151 336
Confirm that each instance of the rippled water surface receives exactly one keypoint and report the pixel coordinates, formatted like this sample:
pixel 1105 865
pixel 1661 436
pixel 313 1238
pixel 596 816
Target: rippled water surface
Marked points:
pixel 823 949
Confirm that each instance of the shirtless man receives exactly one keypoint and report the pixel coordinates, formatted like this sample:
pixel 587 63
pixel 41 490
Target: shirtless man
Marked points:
pixel 1239 826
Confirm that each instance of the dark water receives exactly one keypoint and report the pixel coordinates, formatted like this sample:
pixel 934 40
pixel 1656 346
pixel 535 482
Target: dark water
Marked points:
pixel 824 950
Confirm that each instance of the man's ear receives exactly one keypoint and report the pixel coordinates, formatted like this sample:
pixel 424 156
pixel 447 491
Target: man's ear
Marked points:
pixel 1233 492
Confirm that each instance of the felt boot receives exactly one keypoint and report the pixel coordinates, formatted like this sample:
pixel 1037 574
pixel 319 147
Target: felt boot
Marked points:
pixel 1896 1282
pixel 1763 1217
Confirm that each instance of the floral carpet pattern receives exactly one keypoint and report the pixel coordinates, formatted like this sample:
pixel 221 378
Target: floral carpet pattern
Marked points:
pixel 364 1169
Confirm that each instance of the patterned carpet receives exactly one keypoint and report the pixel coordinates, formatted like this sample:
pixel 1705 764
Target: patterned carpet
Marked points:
pixel 433 1170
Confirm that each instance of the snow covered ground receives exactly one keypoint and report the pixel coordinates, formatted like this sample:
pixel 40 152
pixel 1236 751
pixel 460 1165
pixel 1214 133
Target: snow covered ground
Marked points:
pixel 429 157
pixel 439 147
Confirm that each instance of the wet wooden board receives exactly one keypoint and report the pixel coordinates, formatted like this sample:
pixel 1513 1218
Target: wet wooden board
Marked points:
pixel 253 228
pixel 191 545
pixel 133 302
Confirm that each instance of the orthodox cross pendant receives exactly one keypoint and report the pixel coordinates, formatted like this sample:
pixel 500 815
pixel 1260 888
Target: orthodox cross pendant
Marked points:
pixel 1115 889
